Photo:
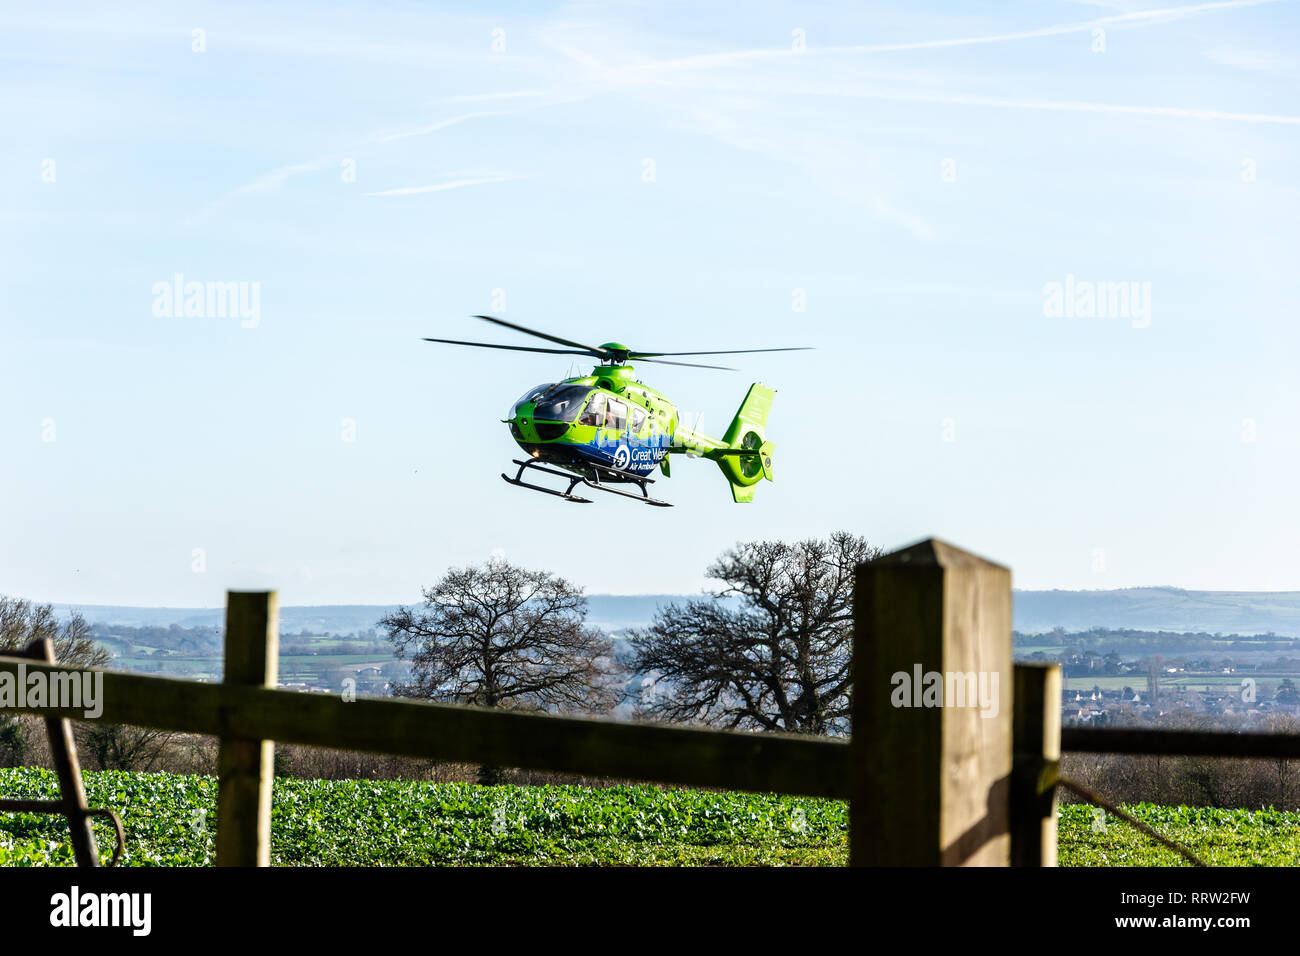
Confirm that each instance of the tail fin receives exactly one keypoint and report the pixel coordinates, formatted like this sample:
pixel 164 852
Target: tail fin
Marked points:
pixel 747 434
pixel 752 415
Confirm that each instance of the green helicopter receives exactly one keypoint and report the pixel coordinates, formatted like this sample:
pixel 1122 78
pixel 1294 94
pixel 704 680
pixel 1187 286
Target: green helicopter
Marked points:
pixel 607 429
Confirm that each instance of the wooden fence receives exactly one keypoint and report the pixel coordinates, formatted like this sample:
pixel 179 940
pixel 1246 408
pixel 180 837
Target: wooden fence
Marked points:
pixel 969 782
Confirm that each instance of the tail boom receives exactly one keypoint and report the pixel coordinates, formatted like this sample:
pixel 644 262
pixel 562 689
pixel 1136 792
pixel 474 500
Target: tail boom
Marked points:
pixel 744 454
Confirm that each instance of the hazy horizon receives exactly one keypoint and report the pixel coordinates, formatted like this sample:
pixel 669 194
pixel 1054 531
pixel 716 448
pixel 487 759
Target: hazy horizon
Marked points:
pixel 59 605
pixel 1146 609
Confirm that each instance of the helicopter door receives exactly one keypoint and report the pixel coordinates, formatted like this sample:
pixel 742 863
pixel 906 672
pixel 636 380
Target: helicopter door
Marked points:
pixel 638 422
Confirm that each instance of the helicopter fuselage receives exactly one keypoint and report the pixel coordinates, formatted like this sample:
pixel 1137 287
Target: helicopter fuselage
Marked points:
pixel 605 419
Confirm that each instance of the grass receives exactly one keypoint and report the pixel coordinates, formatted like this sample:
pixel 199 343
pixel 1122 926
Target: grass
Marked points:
pixel 170 821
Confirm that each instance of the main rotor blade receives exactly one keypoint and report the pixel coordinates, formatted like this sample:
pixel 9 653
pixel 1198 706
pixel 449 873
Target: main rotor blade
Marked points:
pixel 721 368
pixel 599 353
pixel 512 348
pixel 798 348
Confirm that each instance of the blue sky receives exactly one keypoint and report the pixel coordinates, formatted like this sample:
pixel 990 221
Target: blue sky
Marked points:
pixel 671 176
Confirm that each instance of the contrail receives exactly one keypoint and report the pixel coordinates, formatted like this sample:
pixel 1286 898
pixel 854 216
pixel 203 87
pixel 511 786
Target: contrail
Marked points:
pixel 1136 16
pixel 454 184
pixel 278 177
pixel 964 99
pixel 726 59
pixel 481 114
pixel 510 95
pixel 441 124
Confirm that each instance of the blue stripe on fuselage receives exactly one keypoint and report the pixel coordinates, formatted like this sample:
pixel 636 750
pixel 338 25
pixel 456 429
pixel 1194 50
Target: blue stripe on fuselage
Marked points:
pixel 643 454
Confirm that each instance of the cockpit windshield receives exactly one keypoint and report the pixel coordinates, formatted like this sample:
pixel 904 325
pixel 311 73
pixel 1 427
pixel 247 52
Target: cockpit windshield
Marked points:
pixel 561 403
pixel 532 395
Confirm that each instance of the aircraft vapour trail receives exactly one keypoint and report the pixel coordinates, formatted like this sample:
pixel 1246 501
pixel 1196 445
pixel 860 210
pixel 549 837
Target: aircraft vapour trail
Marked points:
pixel 454 184
pixel 1068 106
pixel 706 60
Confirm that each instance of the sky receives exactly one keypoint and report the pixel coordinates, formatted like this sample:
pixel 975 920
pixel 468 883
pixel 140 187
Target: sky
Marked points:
pixel 933 196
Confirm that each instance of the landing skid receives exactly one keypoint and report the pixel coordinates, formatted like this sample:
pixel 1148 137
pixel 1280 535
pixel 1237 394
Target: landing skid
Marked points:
pixel 590 480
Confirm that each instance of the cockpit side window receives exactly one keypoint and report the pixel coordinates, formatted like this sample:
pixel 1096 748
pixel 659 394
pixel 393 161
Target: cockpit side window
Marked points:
pixel 616 415
pixel 594 413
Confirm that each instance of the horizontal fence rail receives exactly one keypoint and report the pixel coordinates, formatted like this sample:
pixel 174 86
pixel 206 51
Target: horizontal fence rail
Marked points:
pixel 815 767
pixel 1185 743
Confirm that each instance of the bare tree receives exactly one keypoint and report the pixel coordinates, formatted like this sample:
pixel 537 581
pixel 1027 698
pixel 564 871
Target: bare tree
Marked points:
pixel 498 635
pixel 770 650
pixel 22 622
pixel 103 746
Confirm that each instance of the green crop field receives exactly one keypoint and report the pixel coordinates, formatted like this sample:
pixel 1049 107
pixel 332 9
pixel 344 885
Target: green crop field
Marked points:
pixel 170 821
pixel 1089 837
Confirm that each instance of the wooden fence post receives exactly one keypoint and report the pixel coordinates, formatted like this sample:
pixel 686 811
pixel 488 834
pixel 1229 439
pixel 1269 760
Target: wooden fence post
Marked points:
pixel 931 745
pixel 1036 763
pixel 245 765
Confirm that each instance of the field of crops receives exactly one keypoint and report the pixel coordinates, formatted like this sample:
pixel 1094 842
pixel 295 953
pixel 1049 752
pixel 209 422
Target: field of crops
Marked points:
pixel 1089 837
pixel 170 821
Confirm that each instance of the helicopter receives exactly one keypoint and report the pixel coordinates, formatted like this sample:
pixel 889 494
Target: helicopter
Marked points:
pixel 607 429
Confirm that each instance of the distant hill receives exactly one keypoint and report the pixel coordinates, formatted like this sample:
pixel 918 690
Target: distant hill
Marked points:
pixel 322 619
pixel 607 611
pixel 1163 609
pixel 1167 609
